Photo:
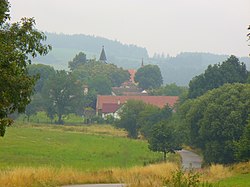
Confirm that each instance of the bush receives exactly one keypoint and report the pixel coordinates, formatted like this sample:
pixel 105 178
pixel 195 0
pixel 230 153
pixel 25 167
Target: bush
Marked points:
pixel 191 179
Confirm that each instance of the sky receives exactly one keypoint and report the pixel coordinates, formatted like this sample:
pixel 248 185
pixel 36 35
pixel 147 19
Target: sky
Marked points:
pixel 161 26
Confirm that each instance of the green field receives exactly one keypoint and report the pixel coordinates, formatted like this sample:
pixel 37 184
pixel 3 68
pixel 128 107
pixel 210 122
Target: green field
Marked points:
pixel 56 146
pixel 240 180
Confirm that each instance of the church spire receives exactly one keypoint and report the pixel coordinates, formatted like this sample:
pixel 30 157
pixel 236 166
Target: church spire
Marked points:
pixel 142 63
pixel 103 56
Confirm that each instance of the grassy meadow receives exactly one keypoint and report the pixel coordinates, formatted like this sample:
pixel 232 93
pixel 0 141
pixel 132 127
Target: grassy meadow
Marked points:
pixel 34 155
pixel 80 147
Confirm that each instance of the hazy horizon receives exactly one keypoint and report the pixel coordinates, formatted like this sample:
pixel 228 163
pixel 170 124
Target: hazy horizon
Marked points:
pixel 169 26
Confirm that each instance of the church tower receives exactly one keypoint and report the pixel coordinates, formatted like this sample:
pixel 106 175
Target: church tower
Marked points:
pixel 103 56
pixel 142 63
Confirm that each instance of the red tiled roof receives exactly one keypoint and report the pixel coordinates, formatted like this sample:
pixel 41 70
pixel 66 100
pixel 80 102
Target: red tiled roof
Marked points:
pixel 110 107
pixel 159 101
pixel 132 73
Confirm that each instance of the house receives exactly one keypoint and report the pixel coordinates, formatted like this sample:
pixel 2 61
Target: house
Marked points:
pixel 110 105
pixel 132 73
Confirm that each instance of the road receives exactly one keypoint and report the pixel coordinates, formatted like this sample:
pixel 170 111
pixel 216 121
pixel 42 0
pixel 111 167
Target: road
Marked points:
pixel 190 159
pixel 96 185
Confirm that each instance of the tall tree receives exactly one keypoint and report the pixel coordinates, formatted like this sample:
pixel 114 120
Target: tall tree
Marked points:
pixel 78 60
pixel 164 139
pixel 129 117
pixel 62 94
pixel 230 71
pixel 93 69
pixel 217 119
pixel 43 72
pixel 18 41
pixel 149 77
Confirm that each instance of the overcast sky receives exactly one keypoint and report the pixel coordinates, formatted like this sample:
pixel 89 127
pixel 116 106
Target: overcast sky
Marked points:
pixel 169 26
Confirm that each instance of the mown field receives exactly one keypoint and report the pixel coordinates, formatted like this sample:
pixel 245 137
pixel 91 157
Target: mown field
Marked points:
pixel 80 147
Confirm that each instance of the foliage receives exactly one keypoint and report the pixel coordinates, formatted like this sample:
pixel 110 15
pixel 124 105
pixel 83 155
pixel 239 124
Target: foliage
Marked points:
pixel 217 119
pixel 169 90
pixel 181 179
pixel 243 145
pixel 92 68
pixel 34 106
pixel 18 41
pixel 230 71
pixel 151 115
pixel 62 94
pixel 138 118
pixel 43 72
pixel 149 77
pixel 164 138
pixel 78 60
pixel 129 117
pixel 147 118
pixel 100 84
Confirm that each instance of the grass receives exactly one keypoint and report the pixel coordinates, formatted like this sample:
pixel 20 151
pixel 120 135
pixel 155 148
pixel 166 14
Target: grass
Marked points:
pixel 71 146
pixel 239 180
pixel 34 155
pixel 240 176
pixel 41 117
pixel 152 175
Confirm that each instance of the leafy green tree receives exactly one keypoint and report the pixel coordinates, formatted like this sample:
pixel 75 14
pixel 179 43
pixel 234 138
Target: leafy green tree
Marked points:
pixel 230 71
pixel 169 90
pixel 78 60
pixel 18 42
pixel 243 145
pixel 129 117
pixel 217 119
pixel 164 139
pixel 62 94
pixel 101 85
pixel 34 106
pixel 93 68
pixel 151 115
pixel 147 118
pixel 149 77
pixel 43 72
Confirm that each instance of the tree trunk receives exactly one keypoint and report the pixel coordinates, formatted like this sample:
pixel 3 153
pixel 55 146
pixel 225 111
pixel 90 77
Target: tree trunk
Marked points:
pixel 60 121
pixel 164 156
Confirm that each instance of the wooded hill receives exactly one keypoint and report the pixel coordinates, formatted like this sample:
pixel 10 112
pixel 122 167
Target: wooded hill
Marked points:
pixel 179 69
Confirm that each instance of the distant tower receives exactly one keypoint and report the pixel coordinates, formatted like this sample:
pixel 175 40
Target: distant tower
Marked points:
pixel 142 63
pixel 103 56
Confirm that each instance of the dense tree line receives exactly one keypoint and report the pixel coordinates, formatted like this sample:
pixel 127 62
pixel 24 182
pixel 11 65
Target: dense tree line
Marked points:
pixel 230 71
pixel 60 92
pixel 18 42
pixel 169 90
pixel 217 121
pixel 213 115
pixel 152 123
pixel 217 113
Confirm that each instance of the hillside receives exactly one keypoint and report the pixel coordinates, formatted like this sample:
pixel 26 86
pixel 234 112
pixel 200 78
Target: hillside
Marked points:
pixel 182 68
pixel 78 147
pixel 65 47
pixel 179 69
